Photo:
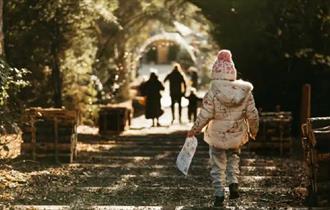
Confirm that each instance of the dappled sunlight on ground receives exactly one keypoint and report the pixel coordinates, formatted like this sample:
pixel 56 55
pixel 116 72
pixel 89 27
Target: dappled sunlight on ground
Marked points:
pixel 136 170
pixel 94 148
pixel 10 145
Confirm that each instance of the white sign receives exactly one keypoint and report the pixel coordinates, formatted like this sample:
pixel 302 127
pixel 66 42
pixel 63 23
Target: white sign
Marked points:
pixel 186 154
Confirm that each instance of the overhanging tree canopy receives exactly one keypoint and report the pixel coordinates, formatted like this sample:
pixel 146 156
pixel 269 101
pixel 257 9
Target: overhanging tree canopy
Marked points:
pixel 276 45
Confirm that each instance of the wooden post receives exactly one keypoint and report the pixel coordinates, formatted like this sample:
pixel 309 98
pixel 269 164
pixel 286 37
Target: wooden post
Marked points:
pixel 56 138
pixel 309 153
pixel 33 137
pixel 281 127
pixel 304 115
pixel 305 104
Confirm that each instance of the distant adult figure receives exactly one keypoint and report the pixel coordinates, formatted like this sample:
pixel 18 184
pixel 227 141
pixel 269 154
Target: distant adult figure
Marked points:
pixel 177 89
pixel 193 77
pixel 151 90
pixel 193 105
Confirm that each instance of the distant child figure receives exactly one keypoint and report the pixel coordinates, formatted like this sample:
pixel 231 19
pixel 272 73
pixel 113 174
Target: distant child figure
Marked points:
pixel 193 105
pixel 231 117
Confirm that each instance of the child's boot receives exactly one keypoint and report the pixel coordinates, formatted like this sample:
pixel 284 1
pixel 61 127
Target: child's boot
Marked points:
pixel 218 202
pixel 233 190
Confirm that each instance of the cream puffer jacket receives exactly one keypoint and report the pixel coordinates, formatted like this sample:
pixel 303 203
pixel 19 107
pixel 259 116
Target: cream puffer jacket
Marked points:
pixel 230 114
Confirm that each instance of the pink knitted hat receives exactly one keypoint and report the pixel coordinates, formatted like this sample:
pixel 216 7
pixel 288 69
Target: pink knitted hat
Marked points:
pixel 224 67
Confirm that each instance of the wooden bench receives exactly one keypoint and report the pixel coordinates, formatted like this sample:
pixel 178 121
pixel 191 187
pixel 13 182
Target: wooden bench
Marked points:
pixel 274 132
pixel 49 133
pixel 115 118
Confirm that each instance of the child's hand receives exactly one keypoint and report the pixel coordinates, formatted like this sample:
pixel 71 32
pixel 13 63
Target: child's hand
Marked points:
pixel 190 134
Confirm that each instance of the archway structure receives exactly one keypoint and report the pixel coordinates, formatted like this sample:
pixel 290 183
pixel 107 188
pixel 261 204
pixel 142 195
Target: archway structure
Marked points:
pixel 168 36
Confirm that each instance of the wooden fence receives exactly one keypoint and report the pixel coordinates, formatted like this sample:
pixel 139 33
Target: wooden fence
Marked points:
pixel 316 145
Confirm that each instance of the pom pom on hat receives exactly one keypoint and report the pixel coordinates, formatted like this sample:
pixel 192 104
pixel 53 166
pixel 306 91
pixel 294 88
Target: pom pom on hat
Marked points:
pixel 224 67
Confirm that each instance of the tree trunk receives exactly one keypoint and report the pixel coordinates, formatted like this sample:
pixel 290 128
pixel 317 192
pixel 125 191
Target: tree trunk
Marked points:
pixel 56 73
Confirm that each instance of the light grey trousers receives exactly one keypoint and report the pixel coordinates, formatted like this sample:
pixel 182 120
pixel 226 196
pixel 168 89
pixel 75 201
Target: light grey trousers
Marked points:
pixel 224 168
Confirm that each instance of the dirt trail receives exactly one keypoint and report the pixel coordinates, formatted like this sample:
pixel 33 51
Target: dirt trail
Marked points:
pixel 138 169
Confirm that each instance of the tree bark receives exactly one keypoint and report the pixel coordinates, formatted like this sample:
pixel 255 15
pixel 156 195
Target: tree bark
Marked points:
pixel 56 73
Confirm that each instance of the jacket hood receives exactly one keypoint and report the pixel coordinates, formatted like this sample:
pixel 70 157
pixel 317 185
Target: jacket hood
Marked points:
pixel 231 93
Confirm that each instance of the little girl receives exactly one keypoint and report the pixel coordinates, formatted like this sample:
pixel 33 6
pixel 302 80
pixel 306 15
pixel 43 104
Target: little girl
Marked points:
pixel 231 117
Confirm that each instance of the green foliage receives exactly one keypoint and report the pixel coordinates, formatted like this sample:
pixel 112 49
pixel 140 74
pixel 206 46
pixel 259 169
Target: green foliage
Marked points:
pixel 12 80
pixel 303 30
pixel 67 43
pixel 278 45
pixel 266 32
pixel 49 36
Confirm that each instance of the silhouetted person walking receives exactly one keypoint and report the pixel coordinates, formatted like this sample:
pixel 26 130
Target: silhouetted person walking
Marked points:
pixel 177 89
pixel 193 105
pixel 151 89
